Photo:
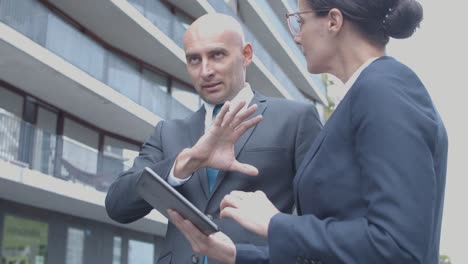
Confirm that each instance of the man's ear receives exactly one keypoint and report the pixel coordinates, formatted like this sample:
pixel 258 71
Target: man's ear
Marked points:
pixel 247 51
pixel 335 20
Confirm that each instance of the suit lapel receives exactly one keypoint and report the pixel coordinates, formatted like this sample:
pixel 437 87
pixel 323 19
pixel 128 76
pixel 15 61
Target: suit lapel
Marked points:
pixel 196 128
pixel 261 102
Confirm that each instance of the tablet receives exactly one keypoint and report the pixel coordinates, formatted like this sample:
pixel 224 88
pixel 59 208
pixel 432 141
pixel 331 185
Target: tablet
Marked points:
pixel 162 196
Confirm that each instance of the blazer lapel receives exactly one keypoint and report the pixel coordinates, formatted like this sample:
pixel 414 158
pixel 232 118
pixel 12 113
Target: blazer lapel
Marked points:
pixel 196 128
pixel 261 102
pixel 307 159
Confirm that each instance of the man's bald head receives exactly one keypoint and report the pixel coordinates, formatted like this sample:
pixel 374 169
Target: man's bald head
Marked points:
pixel 217 57
pixel 212 25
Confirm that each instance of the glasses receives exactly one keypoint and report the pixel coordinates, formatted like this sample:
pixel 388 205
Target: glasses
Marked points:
pixel 295 21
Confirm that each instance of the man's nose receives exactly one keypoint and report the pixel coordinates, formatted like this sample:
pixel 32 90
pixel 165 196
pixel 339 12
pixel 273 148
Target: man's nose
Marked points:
pixel 207 70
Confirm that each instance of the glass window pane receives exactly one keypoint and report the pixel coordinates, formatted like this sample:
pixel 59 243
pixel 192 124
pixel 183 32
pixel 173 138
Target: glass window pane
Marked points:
pixel 117 251
pixel 118 157
pixel 44 141
pixel 11 107
pixel 46 120
pixel 140 252
pixel 75 47
pixel 123 76
pixel 154 93
pixel 75 246
pixel 11 102
pixel 81 133
pixel 28 17
pixel 80 154
pixel 24 241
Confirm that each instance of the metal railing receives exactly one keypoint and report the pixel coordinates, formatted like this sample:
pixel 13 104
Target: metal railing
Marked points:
pixel 34 20
pixel 161 16
pixel 59 156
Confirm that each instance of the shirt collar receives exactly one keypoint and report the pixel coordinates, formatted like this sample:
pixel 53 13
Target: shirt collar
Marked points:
pixel 356 74
pixel 245 94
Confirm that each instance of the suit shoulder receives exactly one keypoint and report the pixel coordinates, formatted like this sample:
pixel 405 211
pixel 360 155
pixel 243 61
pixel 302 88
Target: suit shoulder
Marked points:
pixel 289 105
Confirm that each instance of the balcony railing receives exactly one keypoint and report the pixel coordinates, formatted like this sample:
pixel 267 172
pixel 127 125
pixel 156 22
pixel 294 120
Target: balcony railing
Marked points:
pixel 60 156
pixel 161 16
pixel 34 20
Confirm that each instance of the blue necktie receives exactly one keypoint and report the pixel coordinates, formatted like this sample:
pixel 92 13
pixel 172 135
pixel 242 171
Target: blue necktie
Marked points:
pixel 212 173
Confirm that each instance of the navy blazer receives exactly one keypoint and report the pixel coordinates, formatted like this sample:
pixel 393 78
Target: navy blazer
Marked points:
pixel 371 187
pixel 276 147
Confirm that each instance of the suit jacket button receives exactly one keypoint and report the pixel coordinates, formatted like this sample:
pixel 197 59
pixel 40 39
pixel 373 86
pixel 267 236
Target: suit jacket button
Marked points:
pixel 210 217
pixel 194 259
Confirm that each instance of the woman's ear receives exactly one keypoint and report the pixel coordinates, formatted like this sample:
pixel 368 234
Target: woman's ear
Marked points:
pixel 335 20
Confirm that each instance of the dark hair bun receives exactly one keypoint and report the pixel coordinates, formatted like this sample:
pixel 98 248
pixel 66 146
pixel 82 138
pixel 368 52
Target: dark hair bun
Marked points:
pixel 403 19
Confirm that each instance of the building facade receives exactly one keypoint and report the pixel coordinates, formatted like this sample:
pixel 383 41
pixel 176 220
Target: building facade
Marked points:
pixel 82 85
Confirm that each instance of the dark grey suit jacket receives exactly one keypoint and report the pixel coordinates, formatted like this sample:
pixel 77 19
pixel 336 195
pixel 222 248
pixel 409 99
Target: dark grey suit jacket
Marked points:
pixel 371 188
pixel 276 146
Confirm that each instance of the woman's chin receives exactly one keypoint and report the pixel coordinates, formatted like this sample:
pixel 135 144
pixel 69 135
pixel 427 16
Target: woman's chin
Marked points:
pixel 313 69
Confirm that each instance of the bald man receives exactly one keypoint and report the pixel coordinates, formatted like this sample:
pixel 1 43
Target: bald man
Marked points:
pixel 264 157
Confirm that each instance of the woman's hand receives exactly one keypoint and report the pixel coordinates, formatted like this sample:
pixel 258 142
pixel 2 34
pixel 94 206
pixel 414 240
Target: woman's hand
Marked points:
pixel 252 210
pixel 216 246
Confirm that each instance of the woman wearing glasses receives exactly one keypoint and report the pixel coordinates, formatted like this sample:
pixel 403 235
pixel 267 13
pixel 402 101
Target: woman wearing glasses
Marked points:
pixel 370 190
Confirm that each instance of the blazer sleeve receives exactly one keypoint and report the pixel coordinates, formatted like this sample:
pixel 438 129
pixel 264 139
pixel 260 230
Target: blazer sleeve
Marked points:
pixel 393 133
pixel 123 204
pixel 248 253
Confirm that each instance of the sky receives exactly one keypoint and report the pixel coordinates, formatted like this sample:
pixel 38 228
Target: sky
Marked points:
pixel 438 53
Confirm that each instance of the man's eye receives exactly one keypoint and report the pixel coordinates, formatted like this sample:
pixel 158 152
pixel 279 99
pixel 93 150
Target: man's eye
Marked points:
pixel 218 55
pixel 193 60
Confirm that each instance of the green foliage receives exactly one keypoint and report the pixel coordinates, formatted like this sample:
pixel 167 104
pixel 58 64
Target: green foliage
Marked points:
pixel 443 259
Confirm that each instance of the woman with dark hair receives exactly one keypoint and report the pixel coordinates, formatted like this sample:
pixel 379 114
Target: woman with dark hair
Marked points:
pixel 371 188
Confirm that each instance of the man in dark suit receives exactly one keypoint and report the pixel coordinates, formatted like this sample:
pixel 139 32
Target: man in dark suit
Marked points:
pixel 217 58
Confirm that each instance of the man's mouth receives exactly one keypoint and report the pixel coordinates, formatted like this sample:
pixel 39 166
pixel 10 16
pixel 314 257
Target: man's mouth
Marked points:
pixel 210 85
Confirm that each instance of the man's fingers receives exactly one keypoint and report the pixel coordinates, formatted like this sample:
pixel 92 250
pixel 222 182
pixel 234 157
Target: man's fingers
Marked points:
pixel 244 168
pixel 195 237
pixel 240 129
pixel 222 113
pixel 244 114
pixel 232 114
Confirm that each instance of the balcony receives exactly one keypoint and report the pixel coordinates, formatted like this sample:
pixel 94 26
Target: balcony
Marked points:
pixel 93 68
pixel 61 174
pixel 60 156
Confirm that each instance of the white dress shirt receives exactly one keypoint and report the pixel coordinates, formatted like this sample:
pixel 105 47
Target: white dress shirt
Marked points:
pixel 245 94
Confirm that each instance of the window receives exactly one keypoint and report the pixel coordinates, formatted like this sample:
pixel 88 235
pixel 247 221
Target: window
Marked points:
pixel 24 241
pixel 45 141
pixel 118 157
pixel 80 154
pixel 140 252
pixel 117 250
pixel 75 246
pixel 11 102
pixel 11 109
